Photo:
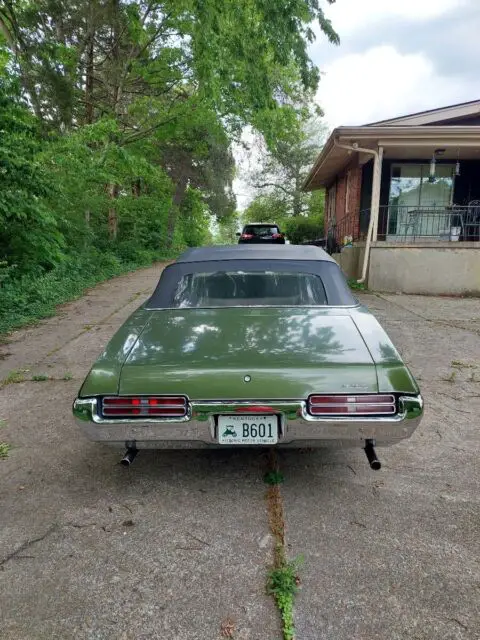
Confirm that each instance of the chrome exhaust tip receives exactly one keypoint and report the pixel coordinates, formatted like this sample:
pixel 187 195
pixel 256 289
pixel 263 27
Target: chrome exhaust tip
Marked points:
pixel 129 457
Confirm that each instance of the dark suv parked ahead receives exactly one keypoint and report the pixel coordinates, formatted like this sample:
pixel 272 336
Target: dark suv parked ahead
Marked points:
pixel 261 232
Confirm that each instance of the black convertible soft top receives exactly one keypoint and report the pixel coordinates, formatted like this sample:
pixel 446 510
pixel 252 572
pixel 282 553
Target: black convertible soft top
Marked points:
pixel 255 252
pixel 249 258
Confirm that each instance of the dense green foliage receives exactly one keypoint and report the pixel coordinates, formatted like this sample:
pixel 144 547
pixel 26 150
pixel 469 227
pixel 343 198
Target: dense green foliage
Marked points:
pixel 307 226
pixel 279 180
pixel 266 208
pixel 117 119
pixel 311 224
pixel 283 584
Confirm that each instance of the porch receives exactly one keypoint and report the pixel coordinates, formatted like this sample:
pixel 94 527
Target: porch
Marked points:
pixel 421 200
pixel 429 267
pixel 407 224
pixel 403 201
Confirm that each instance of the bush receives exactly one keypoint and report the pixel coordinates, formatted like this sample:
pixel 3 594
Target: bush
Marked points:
pixel 194 220
pixel 302 229
pixel 31 297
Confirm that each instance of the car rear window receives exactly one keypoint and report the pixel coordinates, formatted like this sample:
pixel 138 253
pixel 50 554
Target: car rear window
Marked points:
pixel 261 230
pixel 240 288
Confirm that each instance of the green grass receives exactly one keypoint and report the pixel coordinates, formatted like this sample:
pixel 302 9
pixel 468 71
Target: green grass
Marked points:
pixel 282 583
pixel 4 450
pixel 459 364
pixel 14 377
pixel 356 286
pixel 67 376
pixel 273 477
pixel 40 378
pixel 450 378
pixel 29 298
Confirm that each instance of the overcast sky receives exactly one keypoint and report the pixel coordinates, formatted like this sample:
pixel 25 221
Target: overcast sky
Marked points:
pixel 395 57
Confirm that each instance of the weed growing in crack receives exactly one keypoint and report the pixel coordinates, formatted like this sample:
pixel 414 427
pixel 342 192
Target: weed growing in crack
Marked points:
pixel 282 579
pixel 14 377
pixel 40 378
pixel 4 450
pixel 451 378
pixel 283 583
pixel 67 376
pixel 459 364
pixel 273 477
pixel 356 286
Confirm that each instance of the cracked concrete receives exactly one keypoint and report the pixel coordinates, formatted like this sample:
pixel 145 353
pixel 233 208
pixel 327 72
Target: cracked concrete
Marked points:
pixel 170 548
pixel 396 554
pixel 179 545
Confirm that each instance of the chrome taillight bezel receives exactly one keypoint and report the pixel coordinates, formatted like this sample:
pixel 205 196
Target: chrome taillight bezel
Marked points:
pixel 351 405
pixel 138 407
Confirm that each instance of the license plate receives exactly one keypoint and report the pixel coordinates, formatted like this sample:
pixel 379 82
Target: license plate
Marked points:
pixel 253 429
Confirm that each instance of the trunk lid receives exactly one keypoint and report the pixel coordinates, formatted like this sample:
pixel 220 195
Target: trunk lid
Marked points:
pixel 288 353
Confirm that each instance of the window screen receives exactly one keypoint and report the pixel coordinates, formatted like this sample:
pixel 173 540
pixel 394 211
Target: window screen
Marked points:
pixel 239 288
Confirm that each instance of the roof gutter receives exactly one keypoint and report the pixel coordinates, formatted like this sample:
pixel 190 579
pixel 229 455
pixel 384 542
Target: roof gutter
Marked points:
pixel 374 208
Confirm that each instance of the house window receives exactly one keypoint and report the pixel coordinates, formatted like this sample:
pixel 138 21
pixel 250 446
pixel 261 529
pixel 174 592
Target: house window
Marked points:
pixel 411 190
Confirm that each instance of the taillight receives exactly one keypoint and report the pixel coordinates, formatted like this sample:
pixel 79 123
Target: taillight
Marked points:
pixel 246 236
pixel 346 405
pixel 144 406
pixel 276 236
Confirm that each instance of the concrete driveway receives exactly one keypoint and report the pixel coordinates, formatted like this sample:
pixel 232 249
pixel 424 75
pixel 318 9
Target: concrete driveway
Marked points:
pixel 178 545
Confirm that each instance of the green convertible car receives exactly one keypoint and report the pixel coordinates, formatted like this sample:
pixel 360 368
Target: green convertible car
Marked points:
pixel 250 345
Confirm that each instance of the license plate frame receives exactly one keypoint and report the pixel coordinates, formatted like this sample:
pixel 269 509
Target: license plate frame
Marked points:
pixel 267 424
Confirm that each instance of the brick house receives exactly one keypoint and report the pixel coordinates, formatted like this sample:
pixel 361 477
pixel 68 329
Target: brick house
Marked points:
pixel 412 180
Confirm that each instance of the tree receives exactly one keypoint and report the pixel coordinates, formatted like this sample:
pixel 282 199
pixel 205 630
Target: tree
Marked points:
pixel 266 208
pixel 307 226
pixel 29 234
pixel 286 166
pixel 183 76
pixel 81 59
pixel 137 103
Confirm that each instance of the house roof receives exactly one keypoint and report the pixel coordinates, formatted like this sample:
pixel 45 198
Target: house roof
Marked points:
pixel 414 136
pixel 398 142
pixel 432 116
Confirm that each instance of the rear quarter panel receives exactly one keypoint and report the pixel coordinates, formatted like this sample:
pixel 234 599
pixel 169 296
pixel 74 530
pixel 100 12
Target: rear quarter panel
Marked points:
pixel 393 375
pixel 104 376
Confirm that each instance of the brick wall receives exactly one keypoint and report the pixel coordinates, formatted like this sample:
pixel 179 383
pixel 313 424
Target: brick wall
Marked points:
pixel 347 203
pixel 355 185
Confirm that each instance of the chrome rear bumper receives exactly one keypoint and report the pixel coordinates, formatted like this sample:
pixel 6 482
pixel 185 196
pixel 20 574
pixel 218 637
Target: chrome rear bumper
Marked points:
pixel 297 428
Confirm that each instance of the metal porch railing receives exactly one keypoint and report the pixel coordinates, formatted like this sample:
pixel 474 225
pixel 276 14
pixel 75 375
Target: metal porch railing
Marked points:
pixel 402 223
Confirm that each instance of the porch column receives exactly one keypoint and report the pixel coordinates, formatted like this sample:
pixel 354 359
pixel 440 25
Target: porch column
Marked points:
pixel 376 182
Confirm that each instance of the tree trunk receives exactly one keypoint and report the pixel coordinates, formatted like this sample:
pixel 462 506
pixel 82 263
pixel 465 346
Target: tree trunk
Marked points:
pixel 297 194
pixel 297 203
pixel 137 188
pixel 89 112
pixel 180 188
pixel 115 57
pixel 113 190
